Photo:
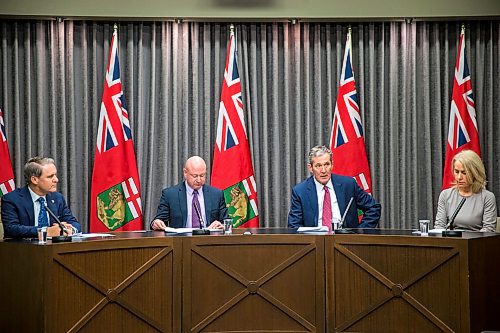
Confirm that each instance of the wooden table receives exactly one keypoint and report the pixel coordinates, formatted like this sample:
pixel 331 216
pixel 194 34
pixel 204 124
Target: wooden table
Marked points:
pixel 273 280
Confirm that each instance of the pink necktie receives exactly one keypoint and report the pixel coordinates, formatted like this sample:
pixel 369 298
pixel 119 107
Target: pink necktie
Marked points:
pixel 327 210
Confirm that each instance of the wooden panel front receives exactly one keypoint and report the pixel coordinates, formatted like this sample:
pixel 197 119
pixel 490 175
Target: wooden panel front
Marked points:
pixel 257 283
pixel 117 285
pixel 396 284
pixel 114 286
pixel 484 285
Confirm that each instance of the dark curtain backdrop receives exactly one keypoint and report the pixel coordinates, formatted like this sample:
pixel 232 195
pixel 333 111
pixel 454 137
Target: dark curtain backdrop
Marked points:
pixel 52 76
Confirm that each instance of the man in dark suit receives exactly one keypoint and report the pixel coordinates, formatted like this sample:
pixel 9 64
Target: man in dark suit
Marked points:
pixel 308 206
pixel 25 209
pixel 192 203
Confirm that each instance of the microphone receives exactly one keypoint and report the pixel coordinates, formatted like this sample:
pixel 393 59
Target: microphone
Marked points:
pixel 341 224
pixel 449 232
pixel 61 238
pixel 200 231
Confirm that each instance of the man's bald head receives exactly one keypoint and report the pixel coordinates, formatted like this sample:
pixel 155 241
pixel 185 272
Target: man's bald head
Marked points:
pixel 195 172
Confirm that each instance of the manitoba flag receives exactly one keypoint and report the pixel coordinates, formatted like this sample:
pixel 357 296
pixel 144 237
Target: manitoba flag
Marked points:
pixel 462 129
pixel 232 169
pixel 115 202
pixel 347 141
pixel 6 174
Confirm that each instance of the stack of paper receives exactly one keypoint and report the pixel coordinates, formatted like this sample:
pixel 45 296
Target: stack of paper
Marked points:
pixel 312 229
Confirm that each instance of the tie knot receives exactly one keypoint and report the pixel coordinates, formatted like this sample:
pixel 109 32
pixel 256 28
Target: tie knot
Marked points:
pixel 326 188
pixel 195 192
pixel 41 200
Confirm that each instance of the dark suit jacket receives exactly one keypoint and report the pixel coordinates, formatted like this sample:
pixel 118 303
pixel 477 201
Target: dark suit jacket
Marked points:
pixel 18 213
pixel 304 205
pixel 172 208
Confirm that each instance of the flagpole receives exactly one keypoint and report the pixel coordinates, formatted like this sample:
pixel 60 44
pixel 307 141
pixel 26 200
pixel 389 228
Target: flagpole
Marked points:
pixel 231 33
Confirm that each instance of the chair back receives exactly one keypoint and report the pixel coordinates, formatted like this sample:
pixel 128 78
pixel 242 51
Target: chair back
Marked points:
pixel 498 224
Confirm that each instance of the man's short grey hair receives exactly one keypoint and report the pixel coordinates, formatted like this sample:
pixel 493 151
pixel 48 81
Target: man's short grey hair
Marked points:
pixel 34 167
pixel 318 151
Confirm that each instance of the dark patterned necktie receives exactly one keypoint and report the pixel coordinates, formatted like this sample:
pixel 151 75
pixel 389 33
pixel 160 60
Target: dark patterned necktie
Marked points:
pixel 42 216
pixel 195 219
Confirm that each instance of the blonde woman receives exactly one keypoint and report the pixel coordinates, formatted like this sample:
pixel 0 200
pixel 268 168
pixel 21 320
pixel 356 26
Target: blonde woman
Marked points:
pixel 479 212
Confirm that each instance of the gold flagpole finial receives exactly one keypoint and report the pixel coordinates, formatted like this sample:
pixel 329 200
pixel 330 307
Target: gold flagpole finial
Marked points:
pixel 115 27
pixel 231 29
pixel 349 29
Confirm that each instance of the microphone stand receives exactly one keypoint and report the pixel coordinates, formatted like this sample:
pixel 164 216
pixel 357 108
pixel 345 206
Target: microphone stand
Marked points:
pixel 61 238
pixel 340 230
pixel 449 232
pixel 200 231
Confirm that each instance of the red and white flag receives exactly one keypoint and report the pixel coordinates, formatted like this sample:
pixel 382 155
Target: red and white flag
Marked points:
pixel 232 169
pixel 347 141
pixel 6 174
pixel 462 129
pixel 115 201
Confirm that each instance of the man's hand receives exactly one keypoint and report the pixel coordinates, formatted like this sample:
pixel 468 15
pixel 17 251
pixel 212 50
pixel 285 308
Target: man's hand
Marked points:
pixel 158 225
pixel 55 230
pixel 216 225
pixel 68 228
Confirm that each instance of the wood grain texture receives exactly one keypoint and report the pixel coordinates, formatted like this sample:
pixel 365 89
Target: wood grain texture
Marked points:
pixel 409 284
pixel 270 281
pixel 110 286
pixel 262 283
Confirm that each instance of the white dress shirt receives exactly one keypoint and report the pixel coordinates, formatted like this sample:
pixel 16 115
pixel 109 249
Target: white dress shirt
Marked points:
pixel 320 191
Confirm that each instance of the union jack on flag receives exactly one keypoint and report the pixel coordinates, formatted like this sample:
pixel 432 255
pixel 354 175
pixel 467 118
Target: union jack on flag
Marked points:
pixel 226 137
pixel 232 169
pixel 116 191
pixel 462 128
pixel 347 141
pixel 2 127
pixel 347 101
pixel 113 112
pixel 231 100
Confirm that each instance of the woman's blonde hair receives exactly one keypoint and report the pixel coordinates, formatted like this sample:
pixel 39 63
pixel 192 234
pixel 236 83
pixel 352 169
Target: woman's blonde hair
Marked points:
pixel 474 169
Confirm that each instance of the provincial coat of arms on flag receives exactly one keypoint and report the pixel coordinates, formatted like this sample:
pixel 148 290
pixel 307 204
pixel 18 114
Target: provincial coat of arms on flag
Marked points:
pixel 115 208
pixel 232 169
pixel 115 193
pixel 241 199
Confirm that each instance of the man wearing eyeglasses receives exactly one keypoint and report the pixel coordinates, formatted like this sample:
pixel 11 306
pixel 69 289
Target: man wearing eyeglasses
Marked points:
pixel 192 203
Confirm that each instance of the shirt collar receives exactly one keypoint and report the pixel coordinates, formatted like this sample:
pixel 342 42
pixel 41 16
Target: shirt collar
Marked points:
pixel 34 196
pixel 320 186
pixel 190 190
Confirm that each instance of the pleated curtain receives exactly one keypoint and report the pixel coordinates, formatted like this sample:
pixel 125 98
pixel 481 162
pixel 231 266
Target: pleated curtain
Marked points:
pixel 52 76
